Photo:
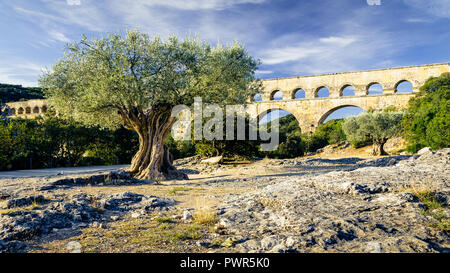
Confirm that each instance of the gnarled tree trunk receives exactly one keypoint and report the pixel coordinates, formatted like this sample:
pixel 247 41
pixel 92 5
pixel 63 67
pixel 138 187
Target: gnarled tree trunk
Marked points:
pixel 153 159
pixel 377 148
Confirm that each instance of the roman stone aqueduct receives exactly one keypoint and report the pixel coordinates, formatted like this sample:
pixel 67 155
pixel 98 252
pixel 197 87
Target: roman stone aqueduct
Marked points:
pixel 313 109
pixel 27 109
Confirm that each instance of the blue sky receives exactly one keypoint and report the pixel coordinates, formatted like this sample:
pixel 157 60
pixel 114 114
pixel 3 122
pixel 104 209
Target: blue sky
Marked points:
pixel 290 37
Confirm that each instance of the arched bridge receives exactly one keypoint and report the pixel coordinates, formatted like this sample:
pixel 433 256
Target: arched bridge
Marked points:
pixel 27 109
pixel 314 108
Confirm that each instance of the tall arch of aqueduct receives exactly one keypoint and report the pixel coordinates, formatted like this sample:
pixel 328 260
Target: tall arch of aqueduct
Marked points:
pixel 312 110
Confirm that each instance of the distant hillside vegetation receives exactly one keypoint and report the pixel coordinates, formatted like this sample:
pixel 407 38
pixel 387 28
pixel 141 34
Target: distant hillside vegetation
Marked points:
pixel 11 93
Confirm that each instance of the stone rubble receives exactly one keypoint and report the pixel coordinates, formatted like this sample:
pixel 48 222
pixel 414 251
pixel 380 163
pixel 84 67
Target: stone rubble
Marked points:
pixel 316 205
pixel 77 212
pixel 363 209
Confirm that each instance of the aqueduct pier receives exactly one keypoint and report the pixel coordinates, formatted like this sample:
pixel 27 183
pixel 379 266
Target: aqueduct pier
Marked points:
pixel 312 110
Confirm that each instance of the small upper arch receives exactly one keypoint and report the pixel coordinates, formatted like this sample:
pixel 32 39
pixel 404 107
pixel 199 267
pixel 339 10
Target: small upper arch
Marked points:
pixel 322 92
pixel 404 86
pixel 347 90
pixel 374 88
pixel 36 110
pixel 276 95
pixel 20 111
pixel 256 98
pixel 298 93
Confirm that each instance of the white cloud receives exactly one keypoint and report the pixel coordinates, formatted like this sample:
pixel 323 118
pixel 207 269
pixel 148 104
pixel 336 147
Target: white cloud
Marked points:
pixel 23 74
pixel 264 72
pixel 73 2
pixel 440 8
pixel 306 50
pixel 417 20
pixel 338 53
pixel 198 4
pixel 338 41
pixel 59 36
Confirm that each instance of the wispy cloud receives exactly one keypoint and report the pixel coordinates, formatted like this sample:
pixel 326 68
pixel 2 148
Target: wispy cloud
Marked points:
pixel 306 50
pixel 22 73
pixel 59 36
pixel 264 72
pixel 73 2
pixel 197 4
pixel 440 8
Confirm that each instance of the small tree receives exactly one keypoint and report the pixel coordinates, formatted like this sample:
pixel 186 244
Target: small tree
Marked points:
pixel 136 81
pixel 375 126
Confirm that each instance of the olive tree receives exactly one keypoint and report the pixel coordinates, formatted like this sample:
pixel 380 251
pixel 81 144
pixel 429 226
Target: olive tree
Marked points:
pixel 135 81
pixel 377 127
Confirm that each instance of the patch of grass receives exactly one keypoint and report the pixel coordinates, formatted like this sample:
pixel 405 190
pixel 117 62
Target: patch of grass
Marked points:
pixel 175 190
pixel 205 216
pixel 164 226
pixel 35 206
pixel 138 235
pixel 217 242
pixel 6 211
pixel 428 193
pixel 230 242
pixel 203 213
pixel 163 219
pixel 443 225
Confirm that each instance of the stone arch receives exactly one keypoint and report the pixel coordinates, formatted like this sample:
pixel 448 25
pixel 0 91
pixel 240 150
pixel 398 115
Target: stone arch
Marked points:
pixel 20 111
pixel 36 110
pixel 409 89
pixel 28 110
pixel 375 91
pixel 44 109
pixel 320 89
pixel 329 112
pixel 256 98
pixel 298 93
pixel 264 113
pixel 275 94
pixel 345 88
pixel 267 111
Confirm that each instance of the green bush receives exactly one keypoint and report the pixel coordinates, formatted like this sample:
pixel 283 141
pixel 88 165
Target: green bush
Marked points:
pixel 180 148
pixel 206 150
pixel 291 140
pixel 293 146
pixel 328 133
pixel 228 148
pixel 48 141
pixel 427 120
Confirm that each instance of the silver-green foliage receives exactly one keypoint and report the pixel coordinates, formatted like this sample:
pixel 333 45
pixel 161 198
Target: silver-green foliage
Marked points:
pixel 376 126
pixel 98 78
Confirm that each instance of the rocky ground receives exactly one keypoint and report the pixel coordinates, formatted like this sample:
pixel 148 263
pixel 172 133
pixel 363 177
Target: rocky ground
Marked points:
pixel 389 204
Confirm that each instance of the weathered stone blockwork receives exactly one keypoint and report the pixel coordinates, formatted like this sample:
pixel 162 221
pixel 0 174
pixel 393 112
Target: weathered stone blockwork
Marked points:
pixel 27 109
pixel 312 111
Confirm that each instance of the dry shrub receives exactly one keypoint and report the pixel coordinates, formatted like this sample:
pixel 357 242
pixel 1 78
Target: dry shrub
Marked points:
pixel 204 214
